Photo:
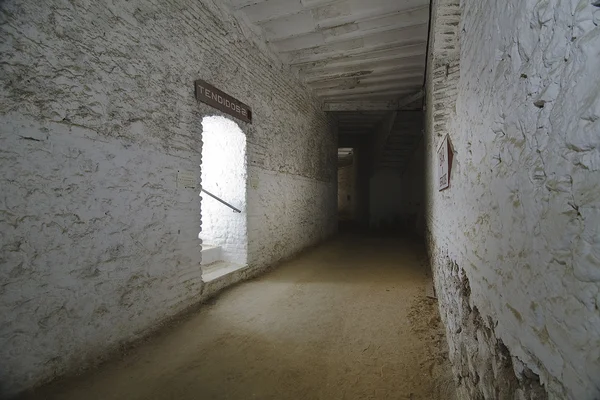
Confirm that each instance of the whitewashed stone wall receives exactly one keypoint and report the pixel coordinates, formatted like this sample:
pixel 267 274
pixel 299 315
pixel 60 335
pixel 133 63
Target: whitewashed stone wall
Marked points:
pixel 224 174
pixel 97 116
pixel 287 213
pixel 515 240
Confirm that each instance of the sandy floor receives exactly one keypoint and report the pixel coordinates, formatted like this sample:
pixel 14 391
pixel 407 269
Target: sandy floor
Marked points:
pixel 348 320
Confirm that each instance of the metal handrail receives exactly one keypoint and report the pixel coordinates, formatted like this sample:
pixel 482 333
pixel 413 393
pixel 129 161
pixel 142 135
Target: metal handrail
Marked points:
pixel 235 210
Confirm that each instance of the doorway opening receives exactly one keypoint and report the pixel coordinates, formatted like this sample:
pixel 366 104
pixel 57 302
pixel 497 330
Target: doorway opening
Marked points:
pixel 347 187
pixel 224 232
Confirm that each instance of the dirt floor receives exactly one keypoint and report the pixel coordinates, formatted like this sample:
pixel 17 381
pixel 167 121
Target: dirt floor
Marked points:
pixel 347 320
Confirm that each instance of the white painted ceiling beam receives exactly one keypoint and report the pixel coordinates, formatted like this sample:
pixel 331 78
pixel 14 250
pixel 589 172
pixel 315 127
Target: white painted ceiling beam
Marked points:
pixel 373 105
pixel 351 115
pixel 390 94
pixel 351 66
pixel 404 34
pixel 395 85
pixel 328 13
pixel 365 61
pixel 408 65
pixel 390 78
pixel 378 42
pixel 364 56
pixel 411 99
pixel 281 32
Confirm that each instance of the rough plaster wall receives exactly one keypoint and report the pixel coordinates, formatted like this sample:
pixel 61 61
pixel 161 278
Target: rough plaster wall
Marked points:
pixel 97 116
pixel 346 192
pixel 292 179
pixel 287 213
pixel 514 241
pixel 224 174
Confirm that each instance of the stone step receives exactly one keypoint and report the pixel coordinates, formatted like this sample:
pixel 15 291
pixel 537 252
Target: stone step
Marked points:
pixel 219 269
pixel 211 254
pixel 221 274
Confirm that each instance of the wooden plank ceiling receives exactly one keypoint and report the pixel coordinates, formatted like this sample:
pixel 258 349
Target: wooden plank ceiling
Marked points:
pixel 357 55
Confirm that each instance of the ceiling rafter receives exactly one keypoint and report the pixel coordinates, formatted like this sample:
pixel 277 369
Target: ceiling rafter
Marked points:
pixel 359 57
pixel 331 34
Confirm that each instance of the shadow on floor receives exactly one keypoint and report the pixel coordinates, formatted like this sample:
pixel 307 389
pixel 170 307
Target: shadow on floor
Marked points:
pixel 346 320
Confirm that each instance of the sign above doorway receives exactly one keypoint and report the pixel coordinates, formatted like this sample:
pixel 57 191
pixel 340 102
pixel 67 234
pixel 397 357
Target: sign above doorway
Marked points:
pixel 220 100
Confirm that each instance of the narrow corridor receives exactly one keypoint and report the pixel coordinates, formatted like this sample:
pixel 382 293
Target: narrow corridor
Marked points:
pixel 346 320
pixel 154 153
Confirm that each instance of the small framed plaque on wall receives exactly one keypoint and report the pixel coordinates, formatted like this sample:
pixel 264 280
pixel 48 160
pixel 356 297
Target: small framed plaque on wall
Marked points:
pixel 444 159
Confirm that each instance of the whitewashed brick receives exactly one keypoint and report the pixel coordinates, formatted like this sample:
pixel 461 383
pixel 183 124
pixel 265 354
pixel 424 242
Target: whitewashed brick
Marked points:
pixel 97 116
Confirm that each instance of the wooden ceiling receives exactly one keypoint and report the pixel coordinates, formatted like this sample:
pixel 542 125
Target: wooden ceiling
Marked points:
pixel 356 55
